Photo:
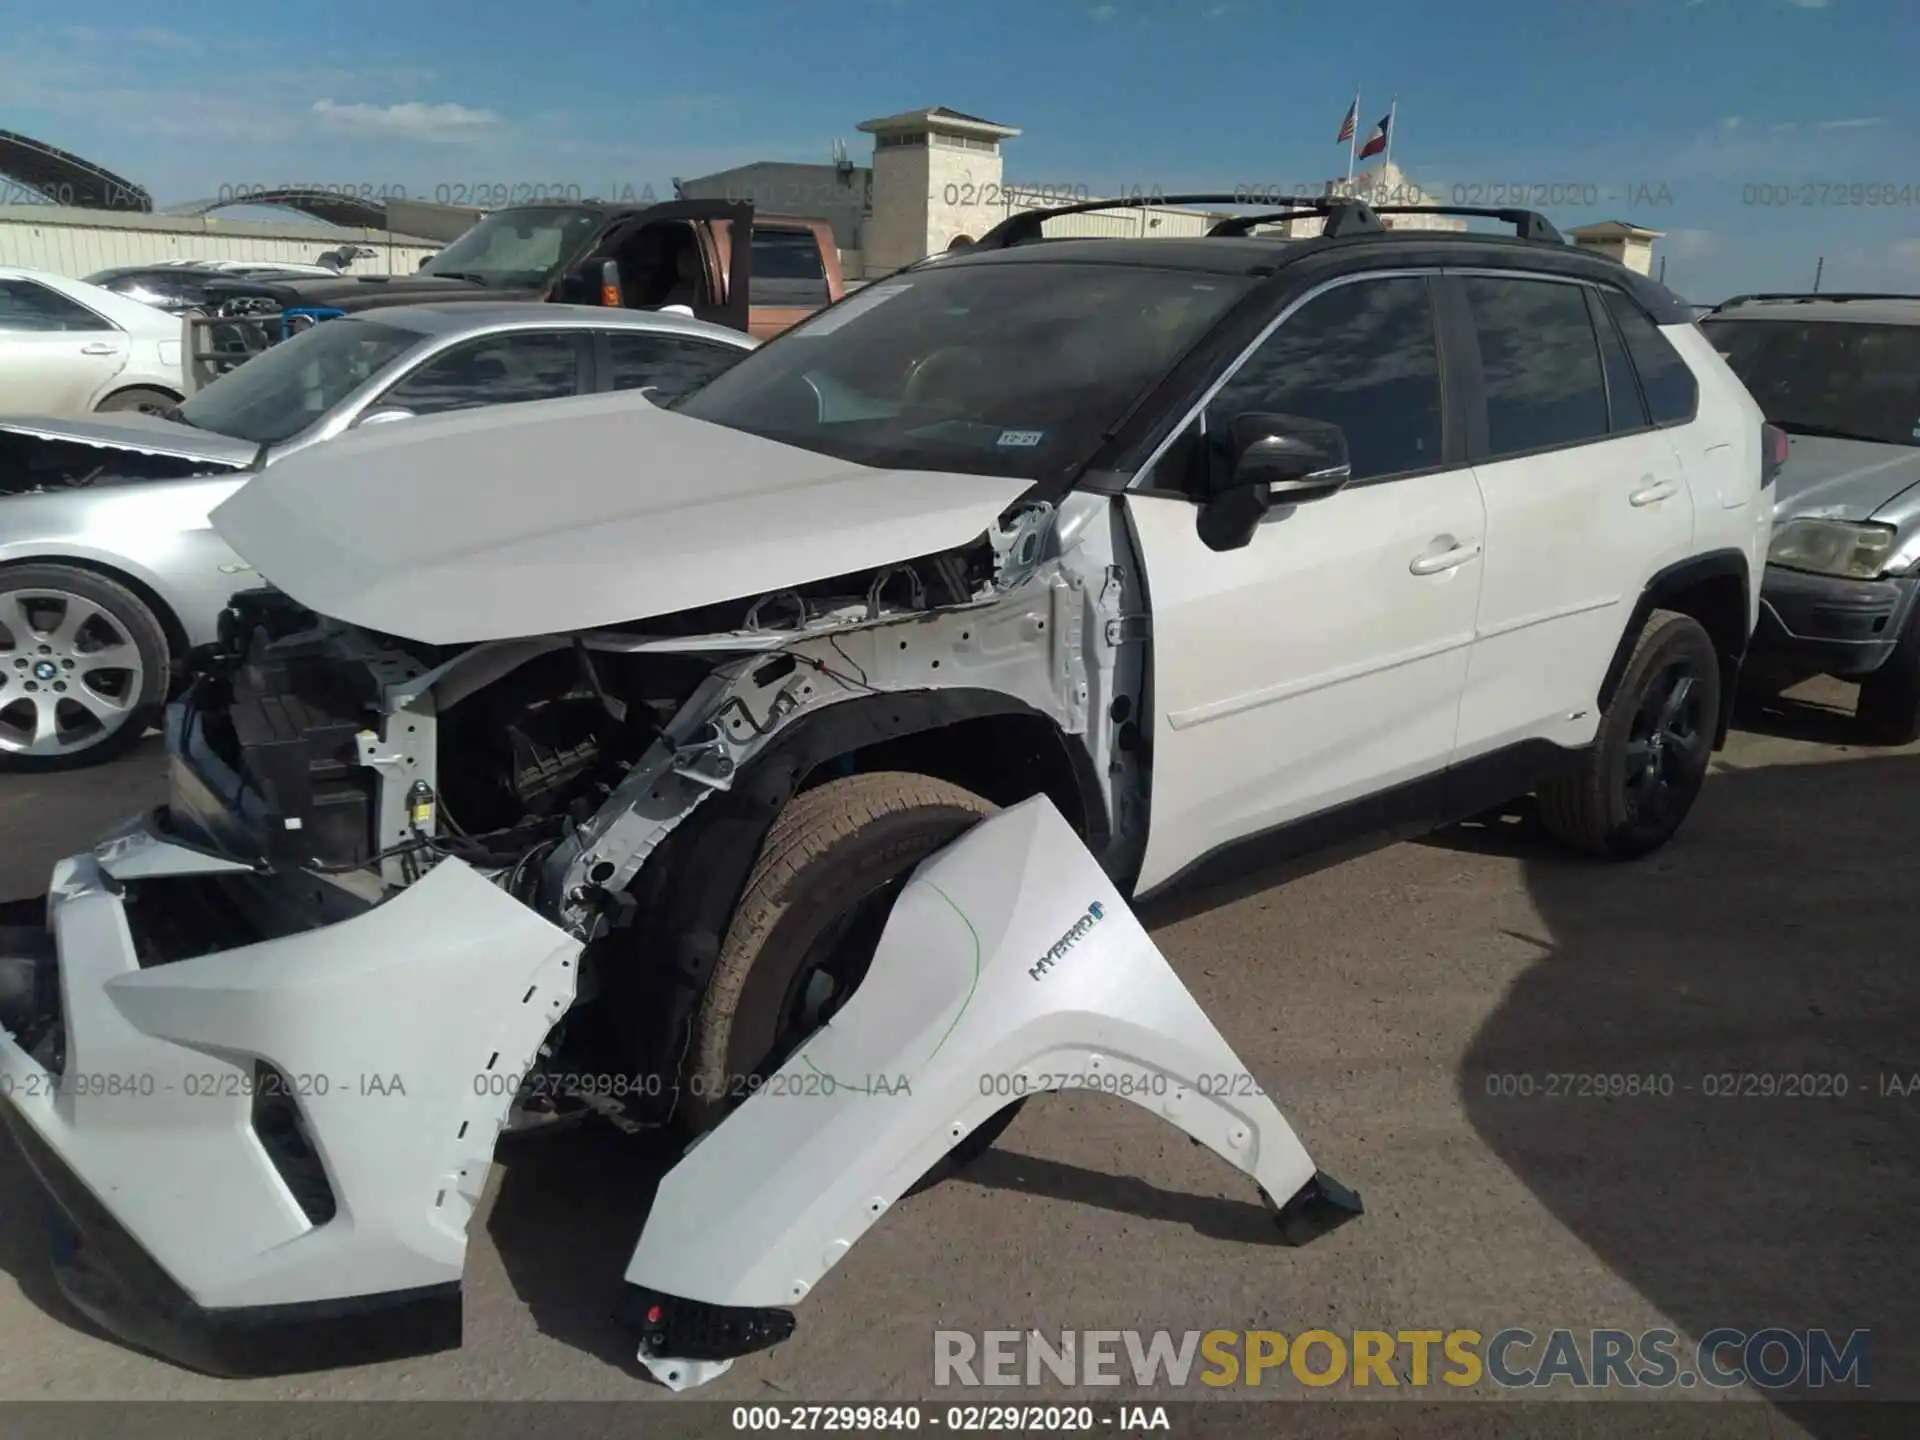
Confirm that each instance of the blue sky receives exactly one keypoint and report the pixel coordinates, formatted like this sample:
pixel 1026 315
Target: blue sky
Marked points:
pixel 1663 112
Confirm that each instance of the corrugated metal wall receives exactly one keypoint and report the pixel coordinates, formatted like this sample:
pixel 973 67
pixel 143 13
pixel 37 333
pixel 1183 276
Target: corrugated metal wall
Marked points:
pixel 77 243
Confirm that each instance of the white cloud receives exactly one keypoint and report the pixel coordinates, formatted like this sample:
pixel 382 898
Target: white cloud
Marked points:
pixel 1103 12
pixel 1731 122
pixel 1862 123
pixel 410 120
pixel 1809 4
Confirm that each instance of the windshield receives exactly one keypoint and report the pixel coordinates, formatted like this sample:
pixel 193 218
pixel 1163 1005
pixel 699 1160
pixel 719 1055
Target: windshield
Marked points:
pixel 289 386
pixel 1015 370
pixel 1841 378
pixel 517 249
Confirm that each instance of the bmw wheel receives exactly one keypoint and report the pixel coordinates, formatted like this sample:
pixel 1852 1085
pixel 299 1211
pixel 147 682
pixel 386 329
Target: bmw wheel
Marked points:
pixel 83 664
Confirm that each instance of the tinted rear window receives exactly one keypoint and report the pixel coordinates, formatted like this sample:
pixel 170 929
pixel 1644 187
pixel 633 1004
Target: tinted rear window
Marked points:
pixel 1672 393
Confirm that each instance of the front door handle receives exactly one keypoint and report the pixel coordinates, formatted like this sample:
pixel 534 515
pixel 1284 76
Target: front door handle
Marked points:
pixel 1433 564
pixel 1651 491
pixel 99 347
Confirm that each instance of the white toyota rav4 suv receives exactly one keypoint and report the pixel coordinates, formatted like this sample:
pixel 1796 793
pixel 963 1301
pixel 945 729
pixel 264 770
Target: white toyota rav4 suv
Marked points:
pixel 779 766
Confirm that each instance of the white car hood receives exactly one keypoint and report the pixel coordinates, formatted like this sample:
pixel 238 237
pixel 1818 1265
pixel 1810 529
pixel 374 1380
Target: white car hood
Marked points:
pixel 564 515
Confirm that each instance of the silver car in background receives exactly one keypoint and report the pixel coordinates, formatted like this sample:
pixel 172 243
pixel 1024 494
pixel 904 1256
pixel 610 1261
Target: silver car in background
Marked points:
pixel 109 571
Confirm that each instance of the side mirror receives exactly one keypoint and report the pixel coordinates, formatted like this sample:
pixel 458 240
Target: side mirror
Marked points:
pixel 1277 460
pixel 609 278
pixel 381 414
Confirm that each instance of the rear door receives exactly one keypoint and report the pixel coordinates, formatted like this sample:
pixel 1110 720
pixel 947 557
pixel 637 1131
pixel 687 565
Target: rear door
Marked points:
pixel 55 354
pixel 1585 499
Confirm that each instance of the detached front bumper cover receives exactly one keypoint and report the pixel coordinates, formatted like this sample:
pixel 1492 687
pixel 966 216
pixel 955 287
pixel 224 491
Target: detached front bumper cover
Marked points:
pixel 1009 965
pixel 387 1043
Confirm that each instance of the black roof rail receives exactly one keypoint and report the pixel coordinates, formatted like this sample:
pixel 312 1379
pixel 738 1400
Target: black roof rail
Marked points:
pixel 1813 297
pixel 1344 216
pixel 1527 224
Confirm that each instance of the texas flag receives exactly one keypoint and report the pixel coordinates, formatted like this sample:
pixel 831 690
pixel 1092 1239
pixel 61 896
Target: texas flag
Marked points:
pixel 1377 141
pixel 1346 125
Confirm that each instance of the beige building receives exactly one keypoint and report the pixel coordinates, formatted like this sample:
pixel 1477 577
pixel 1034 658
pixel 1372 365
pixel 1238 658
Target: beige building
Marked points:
pixel 1631 245
pixel 938 177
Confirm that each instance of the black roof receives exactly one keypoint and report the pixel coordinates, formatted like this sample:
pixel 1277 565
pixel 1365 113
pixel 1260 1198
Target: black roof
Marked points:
pixel 1256 255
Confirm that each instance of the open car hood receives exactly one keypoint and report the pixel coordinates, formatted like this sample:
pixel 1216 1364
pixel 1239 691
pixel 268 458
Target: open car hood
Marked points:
pixel 134 433
pixel 565 515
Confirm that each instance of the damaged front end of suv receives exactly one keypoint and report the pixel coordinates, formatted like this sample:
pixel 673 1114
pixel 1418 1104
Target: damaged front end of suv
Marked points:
pixel 676 798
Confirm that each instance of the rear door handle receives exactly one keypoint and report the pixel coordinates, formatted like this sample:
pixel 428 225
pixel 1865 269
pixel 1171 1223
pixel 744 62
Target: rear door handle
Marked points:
pixel 1445 560
pixel 1648 494
pixel 99 347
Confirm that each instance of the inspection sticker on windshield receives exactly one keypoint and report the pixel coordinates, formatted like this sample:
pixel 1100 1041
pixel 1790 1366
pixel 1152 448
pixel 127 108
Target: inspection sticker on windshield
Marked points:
pixel 853 307
pixel 1024 439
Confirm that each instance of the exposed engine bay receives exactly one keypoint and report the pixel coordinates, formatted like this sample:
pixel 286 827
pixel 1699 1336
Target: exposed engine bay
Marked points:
pixel 558 765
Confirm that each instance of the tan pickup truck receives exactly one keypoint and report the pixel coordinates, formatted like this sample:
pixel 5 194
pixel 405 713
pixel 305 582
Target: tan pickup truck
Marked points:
pixel 680 253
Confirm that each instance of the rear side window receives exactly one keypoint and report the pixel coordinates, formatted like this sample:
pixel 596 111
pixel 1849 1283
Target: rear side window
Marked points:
pixel 25 305
pixel 1541 363
pixel 669 365
pixel 1673 395
pixel 1624 401
pixel 787 268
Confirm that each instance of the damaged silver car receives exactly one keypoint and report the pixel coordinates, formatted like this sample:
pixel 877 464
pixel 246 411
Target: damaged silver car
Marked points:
pixel 778 767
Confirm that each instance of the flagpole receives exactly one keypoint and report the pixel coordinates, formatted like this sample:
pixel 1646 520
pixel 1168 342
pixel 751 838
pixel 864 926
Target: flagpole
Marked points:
pixel 1353 140
pixel 1393 110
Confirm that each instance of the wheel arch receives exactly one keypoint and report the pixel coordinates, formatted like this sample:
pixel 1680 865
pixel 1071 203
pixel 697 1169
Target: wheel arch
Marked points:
pixel 143 588
pixel 686 894
pixel 172 392
pixel 1712 588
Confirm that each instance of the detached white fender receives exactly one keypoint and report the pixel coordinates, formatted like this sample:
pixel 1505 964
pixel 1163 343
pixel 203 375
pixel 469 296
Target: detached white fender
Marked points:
pixel 1010 965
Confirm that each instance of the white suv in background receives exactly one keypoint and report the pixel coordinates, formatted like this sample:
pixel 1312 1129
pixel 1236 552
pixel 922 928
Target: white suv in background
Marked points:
pixel 69 348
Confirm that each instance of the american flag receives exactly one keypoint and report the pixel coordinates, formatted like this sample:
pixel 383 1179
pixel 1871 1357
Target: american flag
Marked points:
pixel 1346 125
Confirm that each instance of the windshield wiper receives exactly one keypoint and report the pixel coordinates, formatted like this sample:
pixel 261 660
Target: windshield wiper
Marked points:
pixel 458 275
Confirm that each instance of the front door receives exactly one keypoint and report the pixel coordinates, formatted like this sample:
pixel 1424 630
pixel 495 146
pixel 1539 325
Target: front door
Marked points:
pixel 676 254
pixel 1323 661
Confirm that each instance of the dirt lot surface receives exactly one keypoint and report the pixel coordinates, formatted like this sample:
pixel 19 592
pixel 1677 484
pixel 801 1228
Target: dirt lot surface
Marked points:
pixel 1388 1003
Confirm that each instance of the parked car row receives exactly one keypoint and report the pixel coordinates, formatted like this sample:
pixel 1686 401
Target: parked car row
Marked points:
pixel 109 571
pixel 818 721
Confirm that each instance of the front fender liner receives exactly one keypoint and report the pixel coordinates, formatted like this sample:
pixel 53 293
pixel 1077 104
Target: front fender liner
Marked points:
pixel 1010 965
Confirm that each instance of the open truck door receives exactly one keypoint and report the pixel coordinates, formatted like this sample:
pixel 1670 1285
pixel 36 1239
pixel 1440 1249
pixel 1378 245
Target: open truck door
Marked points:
pixel 680 253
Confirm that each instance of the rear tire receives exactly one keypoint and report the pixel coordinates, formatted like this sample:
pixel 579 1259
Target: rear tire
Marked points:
pixel 101 710
pixel 139 397
pixel 1645 768
pixel 1888 711
pixel 824 874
